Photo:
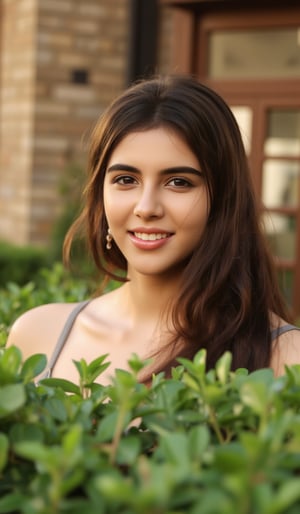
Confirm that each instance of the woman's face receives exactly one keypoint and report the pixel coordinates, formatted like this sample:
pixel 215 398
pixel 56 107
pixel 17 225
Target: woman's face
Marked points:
pixel 155 200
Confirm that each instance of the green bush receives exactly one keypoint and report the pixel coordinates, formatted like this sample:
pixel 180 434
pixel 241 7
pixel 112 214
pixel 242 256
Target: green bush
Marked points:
pixel 20 264
pixel 51 285
pixel 54 284
pixel 215 442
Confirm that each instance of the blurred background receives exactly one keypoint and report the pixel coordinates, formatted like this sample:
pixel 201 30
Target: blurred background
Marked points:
pixel 63 61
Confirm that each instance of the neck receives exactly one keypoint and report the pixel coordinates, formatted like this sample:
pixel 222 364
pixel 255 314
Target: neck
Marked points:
pixel 148 297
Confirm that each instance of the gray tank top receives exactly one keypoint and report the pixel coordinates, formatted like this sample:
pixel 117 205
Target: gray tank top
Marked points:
pixel 63 338
pixel 276 332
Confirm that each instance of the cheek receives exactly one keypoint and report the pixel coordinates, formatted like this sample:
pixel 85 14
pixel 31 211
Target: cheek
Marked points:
pixel 196 212
pixel 108 204
pixel 116 208
pixel 108 200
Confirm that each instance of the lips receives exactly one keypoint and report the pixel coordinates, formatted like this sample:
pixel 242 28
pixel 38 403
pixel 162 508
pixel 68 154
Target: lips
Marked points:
pixel 149 238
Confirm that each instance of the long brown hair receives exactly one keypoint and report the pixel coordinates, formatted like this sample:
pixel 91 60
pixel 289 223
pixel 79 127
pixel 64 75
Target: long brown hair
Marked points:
pixel 229 287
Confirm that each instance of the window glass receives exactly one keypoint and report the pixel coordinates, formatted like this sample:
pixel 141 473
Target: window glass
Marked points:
pixel 255 53
pixel 283 133
pixel 280 183
pixel 280 230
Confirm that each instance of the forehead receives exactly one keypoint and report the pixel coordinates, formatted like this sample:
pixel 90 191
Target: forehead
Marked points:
pixel 158 145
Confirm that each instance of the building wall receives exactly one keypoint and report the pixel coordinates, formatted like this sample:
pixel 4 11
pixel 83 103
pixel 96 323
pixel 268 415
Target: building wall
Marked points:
pixel 17 92
pixel 80 67
pixel 166 37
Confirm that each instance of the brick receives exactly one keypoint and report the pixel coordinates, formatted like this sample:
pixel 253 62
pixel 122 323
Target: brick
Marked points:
pixel 50 143
pixel 74 93
pixel 58 6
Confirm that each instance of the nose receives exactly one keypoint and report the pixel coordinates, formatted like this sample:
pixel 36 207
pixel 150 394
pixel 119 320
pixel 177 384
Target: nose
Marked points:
pixel 149 204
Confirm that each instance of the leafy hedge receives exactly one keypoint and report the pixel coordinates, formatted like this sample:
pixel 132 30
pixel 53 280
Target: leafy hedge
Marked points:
pixel 212 442
pixel 216 442
pixel 20 264
pixel 51 285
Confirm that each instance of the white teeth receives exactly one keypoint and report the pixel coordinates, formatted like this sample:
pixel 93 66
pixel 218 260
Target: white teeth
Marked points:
pixel 149 237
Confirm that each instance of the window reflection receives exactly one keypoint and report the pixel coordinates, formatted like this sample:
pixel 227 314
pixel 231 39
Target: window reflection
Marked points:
pixel 280 184
pixel 283 137
pixel 280 230
pixel 250 53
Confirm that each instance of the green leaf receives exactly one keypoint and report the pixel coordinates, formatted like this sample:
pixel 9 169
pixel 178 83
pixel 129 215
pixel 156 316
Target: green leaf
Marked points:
pixel 198 441
pixel 265 376
pixel 255 395
pixel 25 432
pixel 98 365
pixel 33 366
pixel 12 398
pixel 231 458
pixel 223 367
pixel 65 385
pixel 56 409
pixel 4 445
pixel 10 362
pixel 191 382
pixel 262 497
pixel 11 503
pixel 253 445
pixel 72 441
pixel 106 428
pixel 128 450
pixel 189 366
pixel 82 369
pixel 288 494
pixel 136 364
pixel 175 448
pixel 293 374
pixel 115 489
pixel 32 450
pixel 124 379
pixel 200 358
pixel 214 393
pixel 177 372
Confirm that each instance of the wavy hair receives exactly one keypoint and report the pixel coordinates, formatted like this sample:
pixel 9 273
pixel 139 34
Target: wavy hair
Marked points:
pixel 229 286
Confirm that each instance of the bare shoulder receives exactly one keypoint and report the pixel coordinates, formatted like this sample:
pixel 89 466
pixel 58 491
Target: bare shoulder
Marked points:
pixel 286 351
pixel 37 330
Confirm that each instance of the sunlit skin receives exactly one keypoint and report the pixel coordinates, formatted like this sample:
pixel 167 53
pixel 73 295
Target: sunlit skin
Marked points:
pixel 156 202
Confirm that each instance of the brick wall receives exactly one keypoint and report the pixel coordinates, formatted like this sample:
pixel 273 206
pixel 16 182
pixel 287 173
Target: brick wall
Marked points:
pixel 62 62
pixel 81 59
pixel 17 92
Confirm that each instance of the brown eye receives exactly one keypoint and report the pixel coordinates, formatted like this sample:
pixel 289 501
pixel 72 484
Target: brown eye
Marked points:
pixel 124 180
pixel 179 182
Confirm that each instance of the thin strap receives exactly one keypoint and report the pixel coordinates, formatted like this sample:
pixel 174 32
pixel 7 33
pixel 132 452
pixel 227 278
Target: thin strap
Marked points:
pixel 276 332
pixel 63 337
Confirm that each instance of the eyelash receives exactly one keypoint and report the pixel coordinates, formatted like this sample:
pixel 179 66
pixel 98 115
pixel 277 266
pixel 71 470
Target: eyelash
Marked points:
pixel 181 182
pixel 117 180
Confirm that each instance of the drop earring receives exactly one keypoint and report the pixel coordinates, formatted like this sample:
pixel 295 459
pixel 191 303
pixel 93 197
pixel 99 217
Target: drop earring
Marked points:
pixel 109 239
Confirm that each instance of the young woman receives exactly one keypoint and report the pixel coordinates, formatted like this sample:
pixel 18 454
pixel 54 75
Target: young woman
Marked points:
pixel 169 205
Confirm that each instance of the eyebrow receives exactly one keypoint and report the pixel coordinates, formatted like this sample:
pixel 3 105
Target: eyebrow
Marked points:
pixel 166 171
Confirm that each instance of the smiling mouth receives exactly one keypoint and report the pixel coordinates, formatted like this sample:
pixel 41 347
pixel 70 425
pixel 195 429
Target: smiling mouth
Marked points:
pixel 151 237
